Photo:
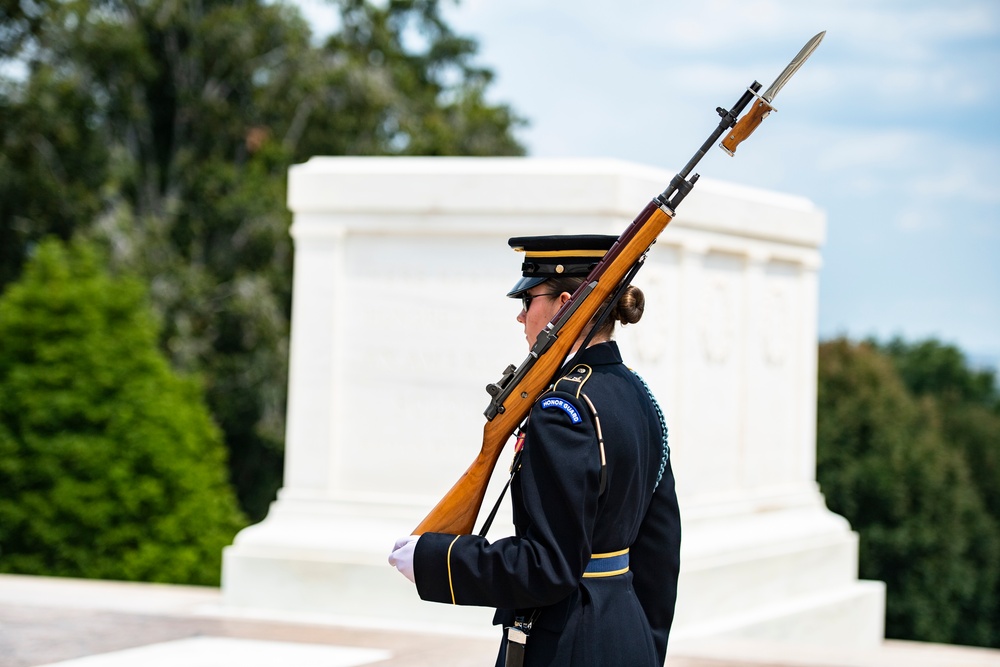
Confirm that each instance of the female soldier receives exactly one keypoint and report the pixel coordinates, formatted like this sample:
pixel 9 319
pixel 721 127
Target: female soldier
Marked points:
pixel 590 578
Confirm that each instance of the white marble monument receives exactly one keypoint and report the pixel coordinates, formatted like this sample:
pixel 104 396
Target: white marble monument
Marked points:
pixel 400 320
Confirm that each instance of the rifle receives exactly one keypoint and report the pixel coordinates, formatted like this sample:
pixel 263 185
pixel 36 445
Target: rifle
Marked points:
pixel 518 388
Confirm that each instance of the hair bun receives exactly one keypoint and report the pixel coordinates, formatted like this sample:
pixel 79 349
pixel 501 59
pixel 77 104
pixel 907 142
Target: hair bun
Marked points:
pixel 631 305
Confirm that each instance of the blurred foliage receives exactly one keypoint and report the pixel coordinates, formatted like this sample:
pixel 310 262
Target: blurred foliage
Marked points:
pixel 967 402
pixel 164 130
pixel 110 464
pixel 907 442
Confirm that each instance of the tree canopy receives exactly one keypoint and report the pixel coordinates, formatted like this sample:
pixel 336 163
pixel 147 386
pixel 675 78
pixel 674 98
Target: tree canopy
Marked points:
pixel 164 129
pixel 967 403
pixel 900 459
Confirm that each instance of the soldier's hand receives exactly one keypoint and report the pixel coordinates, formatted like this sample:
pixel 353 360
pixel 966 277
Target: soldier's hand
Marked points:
pixel 401 557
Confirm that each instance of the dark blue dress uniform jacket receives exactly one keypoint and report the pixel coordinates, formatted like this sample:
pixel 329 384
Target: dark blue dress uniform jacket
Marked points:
pixel 562 518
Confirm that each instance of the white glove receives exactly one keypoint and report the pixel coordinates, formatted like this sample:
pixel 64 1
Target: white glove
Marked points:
pixel 401 557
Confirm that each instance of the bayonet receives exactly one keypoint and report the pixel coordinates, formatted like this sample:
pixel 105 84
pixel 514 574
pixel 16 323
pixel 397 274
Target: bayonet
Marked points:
pixel 793 67
pixel 760 110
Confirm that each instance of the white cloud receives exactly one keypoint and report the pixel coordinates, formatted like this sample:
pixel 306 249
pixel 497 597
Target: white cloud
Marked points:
pixel 912 219
pixel 841 150
pixel 902 30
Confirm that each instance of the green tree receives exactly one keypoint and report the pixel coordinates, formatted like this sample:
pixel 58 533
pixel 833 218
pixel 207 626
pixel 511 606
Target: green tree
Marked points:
pixel 399 81
pixel 110 465
pixel 52 165
pixel 884 464
pixel 967 404
pixel 967 400
pixel 165 128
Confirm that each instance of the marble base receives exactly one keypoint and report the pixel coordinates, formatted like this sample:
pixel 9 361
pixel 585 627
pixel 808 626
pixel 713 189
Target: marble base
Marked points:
pixel 785 574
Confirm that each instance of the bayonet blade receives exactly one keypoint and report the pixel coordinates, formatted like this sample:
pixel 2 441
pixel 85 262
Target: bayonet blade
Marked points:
pixel 793 67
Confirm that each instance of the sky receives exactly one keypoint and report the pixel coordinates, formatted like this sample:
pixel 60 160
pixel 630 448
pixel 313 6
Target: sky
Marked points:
pixel 891 128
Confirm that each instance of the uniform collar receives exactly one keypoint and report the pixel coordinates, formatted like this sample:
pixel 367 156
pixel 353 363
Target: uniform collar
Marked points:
pixel 600 354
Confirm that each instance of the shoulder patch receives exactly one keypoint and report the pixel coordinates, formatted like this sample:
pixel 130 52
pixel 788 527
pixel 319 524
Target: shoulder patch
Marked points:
pixel 554 402
pixel 572 382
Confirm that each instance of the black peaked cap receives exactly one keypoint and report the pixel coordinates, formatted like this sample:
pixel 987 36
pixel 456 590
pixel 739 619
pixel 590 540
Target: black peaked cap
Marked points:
pixel 557 256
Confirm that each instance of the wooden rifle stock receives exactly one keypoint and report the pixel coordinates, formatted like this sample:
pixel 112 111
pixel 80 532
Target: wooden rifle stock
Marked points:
pixel 519 388
pixel 456 513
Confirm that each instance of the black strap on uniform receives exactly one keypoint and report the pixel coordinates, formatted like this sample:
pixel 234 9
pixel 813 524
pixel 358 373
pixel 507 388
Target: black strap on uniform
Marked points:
pixel 517 639
pixel 515 464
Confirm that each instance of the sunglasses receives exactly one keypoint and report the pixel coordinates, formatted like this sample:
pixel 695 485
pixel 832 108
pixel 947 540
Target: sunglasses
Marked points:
pixel 526 298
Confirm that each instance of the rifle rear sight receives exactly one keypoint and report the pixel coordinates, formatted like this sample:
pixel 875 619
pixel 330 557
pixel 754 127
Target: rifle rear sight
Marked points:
pixel 498 386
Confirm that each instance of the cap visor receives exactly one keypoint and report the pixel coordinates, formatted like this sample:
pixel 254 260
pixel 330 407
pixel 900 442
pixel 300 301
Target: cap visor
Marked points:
pixel 525 284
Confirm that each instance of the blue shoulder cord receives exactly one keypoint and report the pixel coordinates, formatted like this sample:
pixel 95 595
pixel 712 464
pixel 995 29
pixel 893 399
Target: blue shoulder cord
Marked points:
pixel 663 429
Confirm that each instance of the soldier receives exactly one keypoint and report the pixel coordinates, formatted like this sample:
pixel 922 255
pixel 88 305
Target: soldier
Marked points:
pixel 590 578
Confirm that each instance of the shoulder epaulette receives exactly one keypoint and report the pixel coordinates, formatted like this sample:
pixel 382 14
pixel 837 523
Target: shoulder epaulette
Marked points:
pixel 572 382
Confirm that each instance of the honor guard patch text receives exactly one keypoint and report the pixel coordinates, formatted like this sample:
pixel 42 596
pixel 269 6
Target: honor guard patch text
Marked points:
pixel 564 405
